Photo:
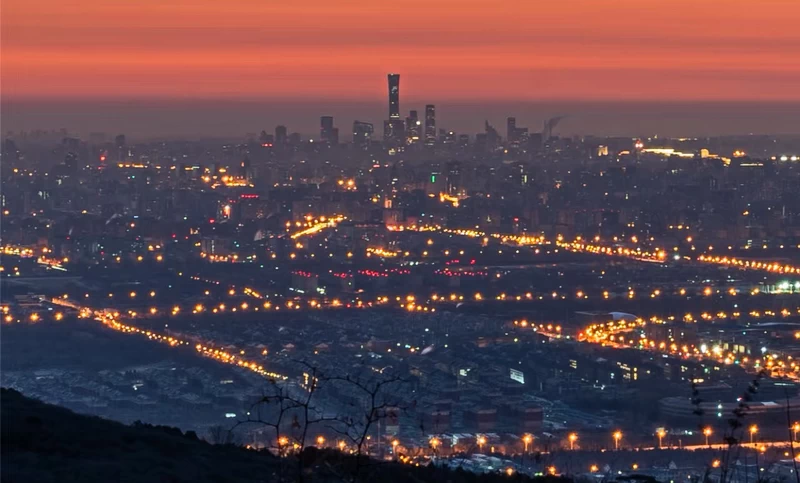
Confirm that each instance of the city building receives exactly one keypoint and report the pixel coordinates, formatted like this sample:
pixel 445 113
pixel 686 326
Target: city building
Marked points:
pixel 413 128
pixel 430 125
pixel 362 134
pixel 328 134
pixel 394 96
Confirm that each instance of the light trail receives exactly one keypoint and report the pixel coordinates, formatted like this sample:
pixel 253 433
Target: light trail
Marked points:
pixel 621 334
pixel 317 226
pixel 770 267
pixel 112 319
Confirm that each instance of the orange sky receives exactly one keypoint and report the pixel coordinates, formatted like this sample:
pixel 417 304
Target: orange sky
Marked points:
pixel 444 49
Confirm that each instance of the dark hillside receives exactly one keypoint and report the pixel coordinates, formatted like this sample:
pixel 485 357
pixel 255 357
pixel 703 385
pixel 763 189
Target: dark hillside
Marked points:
pixel 43 443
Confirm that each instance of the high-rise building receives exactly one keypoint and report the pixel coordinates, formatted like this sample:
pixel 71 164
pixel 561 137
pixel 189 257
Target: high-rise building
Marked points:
pixel 280 136
pixel 413 128
pixel 453 179
pixel 120 144
pixel 71 162
pixel 492 137
pixel 394 96
pixel 434 184
pixel 325 126
pixel 394 131
pixel 246 169
pixel 266 140
pixel 430 125
pixel 327 133
pixel 535 142
pixel 511 129
pixel 362 134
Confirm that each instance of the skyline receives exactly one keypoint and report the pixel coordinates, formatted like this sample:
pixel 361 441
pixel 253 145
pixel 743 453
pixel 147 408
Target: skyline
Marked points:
pixel 189 69
pixel 232 119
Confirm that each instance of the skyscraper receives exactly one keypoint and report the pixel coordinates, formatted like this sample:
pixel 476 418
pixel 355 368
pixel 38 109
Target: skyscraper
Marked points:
pixel 430 125
pixel 280 136
pixel 413 128
pixel 120 144
pixel 453 179
pixel 394 129
pixel 394 96
pixel 71 162
pixel 511 129
pixel 362 134
pixel 327 133
pixel 492 137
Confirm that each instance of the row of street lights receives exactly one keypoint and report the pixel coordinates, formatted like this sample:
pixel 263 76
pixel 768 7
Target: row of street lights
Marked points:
pixel 527 439
pixel 707 432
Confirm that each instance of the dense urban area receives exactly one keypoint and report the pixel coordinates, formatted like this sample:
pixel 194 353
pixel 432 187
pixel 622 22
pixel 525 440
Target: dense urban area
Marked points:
pixel 511 301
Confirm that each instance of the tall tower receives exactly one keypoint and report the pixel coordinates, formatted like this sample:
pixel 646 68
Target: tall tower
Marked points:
pixel 120 144
pixel 280 136
pixel 394 96
pixel 326 129
pixel 362 134
pixel 511 129
pixel 413 128
pixel 430 125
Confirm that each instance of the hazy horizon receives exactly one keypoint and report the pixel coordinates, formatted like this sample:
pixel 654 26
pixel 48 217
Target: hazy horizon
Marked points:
pixel 193 118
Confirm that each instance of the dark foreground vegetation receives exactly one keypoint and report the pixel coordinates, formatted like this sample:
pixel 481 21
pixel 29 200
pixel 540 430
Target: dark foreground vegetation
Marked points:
pixel 45 443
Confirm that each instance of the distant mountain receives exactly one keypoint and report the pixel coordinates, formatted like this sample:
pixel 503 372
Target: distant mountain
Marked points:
pixel 49 444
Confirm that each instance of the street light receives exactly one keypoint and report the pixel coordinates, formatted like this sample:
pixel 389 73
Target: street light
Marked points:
pixel 617 436
pixel 481 442
pixel 342 445
pixel 753 431
pixel 660 433
pixel 282 442
pixel 795 430
pixel 320 440
pixel 572 438
pixel 434 442
pixel 707 432
pixel 394 446
pixel 527 440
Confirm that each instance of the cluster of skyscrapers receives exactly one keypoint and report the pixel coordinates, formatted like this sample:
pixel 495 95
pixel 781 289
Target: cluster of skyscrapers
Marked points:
pixel 419 131
pixel 396 131
pixel 412 131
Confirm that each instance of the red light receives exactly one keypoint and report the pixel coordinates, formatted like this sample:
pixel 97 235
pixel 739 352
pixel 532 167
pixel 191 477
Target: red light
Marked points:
pixel 211 220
